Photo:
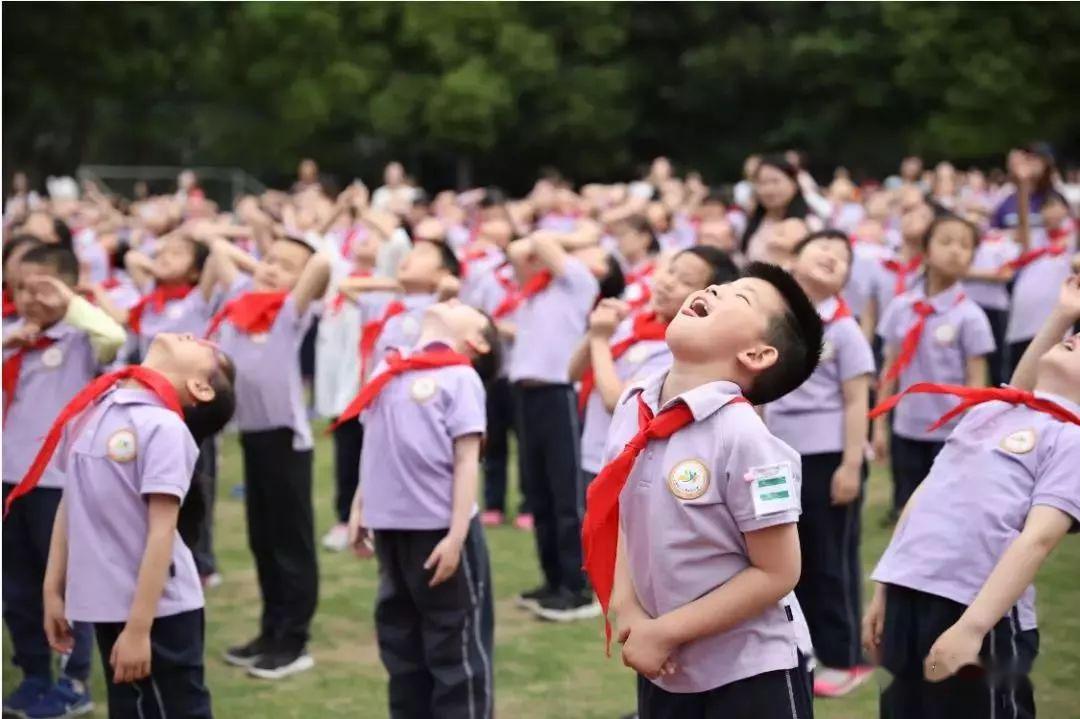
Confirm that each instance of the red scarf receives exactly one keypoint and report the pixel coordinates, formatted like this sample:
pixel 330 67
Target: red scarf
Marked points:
pixel 13 368
pixel 251 313
pixel 902 270
pixel 1057 245
pixel 396 365
pixel 972 396
pixel 645 327
pixel 338 300
pixel 641 274
pixel 152 380
pixel 842 310
pixel 9 305
pixel 910 342
pixel 371 331
pixel 110 283
pixel 351 236
pixel 156 300
pixel 472 254
pixel 532 287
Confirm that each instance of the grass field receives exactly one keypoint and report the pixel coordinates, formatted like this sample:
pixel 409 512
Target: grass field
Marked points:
pixel 541 670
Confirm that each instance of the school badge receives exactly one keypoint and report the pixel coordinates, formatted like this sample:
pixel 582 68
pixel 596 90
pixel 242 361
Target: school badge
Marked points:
pixel 689 479
pixel 1019 442
pixel 945 334
pixel 52 357
pixel 259 338
pixel 175 311
pixel 423 389
pixel 636 355
pixel 121 446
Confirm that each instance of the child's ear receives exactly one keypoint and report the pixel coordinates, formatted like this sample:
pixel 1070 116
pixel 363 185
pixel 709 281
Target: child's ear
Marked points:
pixel 478 344
pixel 200 390
pixel 759 358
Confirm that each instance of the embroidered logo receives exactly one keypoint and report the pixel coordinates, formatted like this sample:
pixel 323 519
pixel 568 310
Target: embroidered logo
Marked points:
pixel 945 334
pixel 121 446
pixel 410 327
pixel 828 351
pixel 1019 442
pixel 175 311
pixel 689 479
pixel 423 389
pixel 52 357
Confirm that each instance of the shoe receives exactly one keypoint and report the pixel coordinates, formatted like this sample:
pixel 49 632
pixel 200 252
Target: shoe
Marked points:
pixel 247 654
pixel 832 683
pixel 337 539
pixel 280 664
pixel 524 522
pixel 211 581
pixel 567 606
pixel 67 698
pixel 29 691
pixel 531 599
pixel 492 518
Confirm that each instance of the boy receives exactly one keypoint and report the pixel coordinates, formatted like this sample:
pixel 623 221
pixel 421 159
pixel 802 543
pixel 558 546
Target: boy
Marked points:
pixel 261 329
pixel 934 333
pixel 824 420
pixel 953 614
pixel 560 277
pixel 115 558
pixel 56 347
pixel 690 529
pixel 424 410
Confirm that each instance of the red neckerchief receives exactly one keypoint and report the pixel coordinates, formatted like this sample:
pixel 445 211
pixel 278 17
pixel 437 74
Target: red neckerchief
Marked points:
pixel 251 312
pixel 152 380
pixel 472 253
pixel 156 300
pixel 902 270
pixel 532 287
pixel 645 327
pixel 842 310
pixel 338 300
pixel 9 305
pixel 910 342
pixel 351 236
pixel 972 396
pixel 1057 244
pixel 395 365
pixel 13 368
pixel 371 331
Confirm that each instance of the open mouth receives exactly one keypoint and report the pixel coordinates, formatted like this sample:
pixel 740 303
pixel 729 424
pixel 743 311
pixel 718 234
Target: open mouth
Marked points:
pixel 698 308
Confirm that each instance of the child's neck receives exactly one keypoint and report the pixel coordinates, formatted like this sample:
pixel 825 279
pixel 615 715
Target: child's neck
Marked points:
pixel 817 292
pixel 910 249
pixel 685 376
pixel 936 283
pixel 418 288
pixel 432 330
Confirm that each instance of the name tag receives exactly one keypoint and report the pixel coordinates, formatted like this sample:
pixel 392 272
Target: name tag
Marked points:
pixel 772 489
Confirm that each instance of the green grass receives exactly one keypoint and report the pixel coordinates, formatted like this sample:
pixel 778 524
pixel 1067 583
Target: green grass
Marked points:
pixel 541 670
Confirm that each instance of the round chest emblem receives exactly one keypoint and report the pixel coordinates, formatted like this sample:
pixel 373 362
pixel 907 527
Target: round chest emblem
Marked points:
pixel 689 479
pixel 121 446
pixel 260 338
pixel 52 357
pixel 410 326
pixel 637 354
pixel 634 292
pixel 1019 442
pixel 945 334
pixel 174 311
pixel 423 389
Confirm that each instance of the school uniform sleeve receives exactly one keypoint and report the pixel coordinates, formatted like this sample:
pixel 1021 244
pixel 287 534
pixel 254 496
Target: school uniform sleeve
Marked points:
pixel 166 457
pixel 106 335
pixel 578 279
pixel 853 354
pixel 467 411
pixel 976 337
pixel 1057 482
pixel 759 464
pixel 887 325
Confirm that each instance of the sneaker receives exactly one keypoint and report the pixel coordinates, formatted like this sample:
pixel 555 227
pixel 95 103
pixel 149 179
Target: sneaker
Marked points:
pixel 280 664
pixel 492 518
pixel 567 606
pixel 337 539
pixel 531 599
pixel 211 581
pixel 524 522
pixel 67 698
pixel 832 683
pixel 247 654
pixel 29 691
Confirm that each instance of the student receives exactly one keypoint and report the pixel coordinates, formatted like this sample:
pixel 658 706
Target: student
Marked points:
pixel 561 276
pixel 261 328
pixel 50 353
pixel 637 247
pixel 690 529
pixel 424 410
pixel 986 284
pixel 954 587
pixel 13 252
pixel 824 420
pixel 115 558
pixel 934 333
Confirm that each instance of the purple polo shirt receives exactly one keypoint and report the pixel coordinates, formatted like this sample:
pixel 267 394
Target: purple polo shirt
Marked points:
pixel 488 295
pixel 48 380
pixel 642 360
pixel 269 389
pixel 881 286
pixel 401 330
pixel 123 448
pixel 478 269
pixel 957 331
pixel 550 324
pixel 811 418
pixel 684 511
pixel 1001 461
pixel 993 251
pixel 1036 288
pixel 864 258
pixel 407 482
pixel 188 315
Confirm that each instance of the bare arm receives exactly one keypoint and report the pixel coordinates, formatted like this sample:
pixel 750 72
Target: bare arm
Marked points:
pixel 1060 322
pixel 869 319
pixel 856 392
pixel 140 268
pixel 56 566
pixel 313 281
pixel 352 287
pixel 1023 229
pixel 580 360
pixel 975 371
pixel 550 251
pixel 229 260
pixel 446 555
pixel 607 379
pixel 162 513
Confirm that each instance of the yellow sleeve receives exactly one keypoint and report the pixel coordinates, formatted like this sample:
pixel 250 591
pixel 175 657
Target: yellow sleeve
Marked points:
pixel 106 334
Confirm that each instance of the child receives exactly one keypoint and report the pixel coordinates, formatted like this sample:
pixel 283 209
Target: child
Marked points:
pixel 637 247
pixel 955 583
pixel 561 277
pixel 261 329
pixel 424 410
pixel 933 333
pixel 115 558
pixel 824 420
pixel 987 285
pixel 50 353
pixel 13 252
pixel 690 529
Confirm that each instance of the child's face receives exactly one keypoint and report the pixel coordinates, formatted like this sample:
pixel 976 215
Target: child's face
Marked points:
pixel 14 265
pixel 429 229
pixel 915 221
pixel 657 216
pixel 463 323
pixel 422 266
pixel 1054 213
pixel 631 243
pixel 673 282
pixel 497 230
pixel 174 260
pixel 823 263
pixel 773 188
pixel 29 302
pixel 725 320
pixel 717 233
pixel 194 361
pixel 282 266
pixel 950 249
pixel 782 239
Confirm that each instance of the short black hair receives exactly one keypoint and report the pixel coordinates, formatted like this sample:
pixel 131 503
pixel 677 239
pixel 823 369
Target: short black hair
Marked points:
pixel 832 235
pixel 638 223
pixel 16 242
pixel 944 218
pixel 447 259
pixel 724 269
pixel 795 333
pixel 63 234
pixel 61 259
pixel 205 419
pixel 487 365
pixel 613 283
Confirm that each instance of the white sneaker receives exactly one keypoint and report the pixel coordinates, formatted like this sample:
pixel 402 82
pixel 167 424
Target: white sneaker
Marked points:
pixel 337 539
pixel 278 665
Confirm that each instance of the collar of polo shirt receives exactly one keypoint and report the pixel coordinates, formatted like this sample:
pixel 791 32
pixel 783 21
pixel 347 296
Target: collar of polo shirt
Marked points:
pixel 703 401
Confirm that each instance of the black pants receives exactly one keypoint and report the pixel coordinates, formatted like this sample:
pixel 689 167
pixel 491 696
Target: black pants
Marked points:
pixel 348 440
pixel 548 458
pixel 829 589
pixel 500 422
pixel 997 361
pixel 175 688
pixel 281 534
pixel 1000 690
pixel 196 520
pixel 26 536
pixel 782 694
pixel 1015 352
pixel 910 461
pixel 435 642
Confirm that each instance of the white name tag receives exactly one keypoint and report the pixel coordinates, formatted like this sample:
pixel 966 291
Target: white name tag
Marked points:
pixel 772 488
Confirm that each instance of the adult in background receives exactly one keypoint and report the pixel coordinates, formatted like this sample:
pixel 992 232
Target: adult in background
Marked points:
pixel 777 198
pixel 1037 162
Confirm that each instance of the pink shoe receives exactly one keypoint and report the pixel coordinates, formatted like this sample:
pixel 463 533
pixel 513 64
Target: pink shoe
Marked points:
pixel 833 683
pixel 524 522
pixel 492 518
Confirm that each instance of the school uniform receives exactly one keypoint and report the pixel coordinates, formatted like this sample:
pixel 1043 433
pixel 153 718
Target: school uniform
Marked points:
pixel 685 505
pixel 435 642
pixel 124 447
pixel 477 264
pixel 1000 461
pixel 888 278
pixel 995 250
pixel 954 330
pixel 403 328
pixel 639 283
pixel 182 311
pixel 865 257
pixel 811 420
pixel 549 326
